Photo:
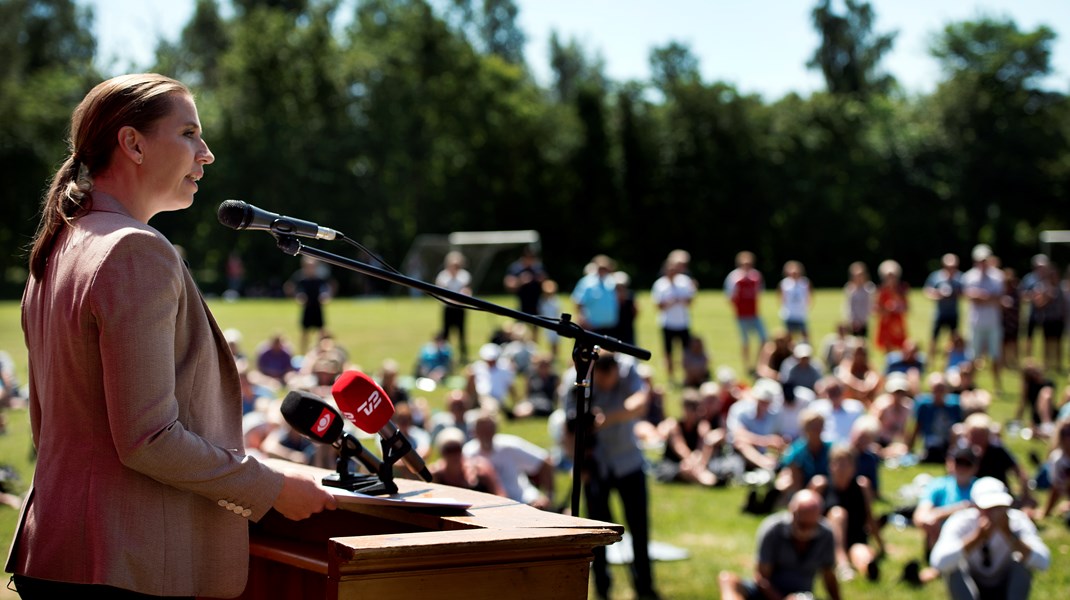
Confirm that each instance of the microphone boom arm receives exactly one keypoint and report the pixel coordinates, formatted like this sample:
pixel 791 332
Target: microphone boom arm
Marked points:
pixel 564 326
pixel 585 349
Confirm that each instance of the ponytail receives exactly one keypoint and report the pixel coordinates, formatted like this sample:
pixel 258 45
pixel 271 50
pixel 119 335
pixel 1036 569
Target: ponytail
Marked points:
pixel 67 197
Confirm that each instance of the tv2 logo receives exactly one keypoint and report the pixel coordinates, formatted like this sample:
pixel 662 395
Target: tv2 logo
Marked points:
pixel 371 404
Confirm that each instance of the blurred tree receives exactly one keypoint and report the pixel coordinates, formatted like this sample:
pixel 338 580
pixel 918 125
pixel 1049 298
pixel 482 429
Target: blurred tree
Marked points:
pixel 674 65
pixel 850 52
pixel 1003 159
pixel 47 68
pixel 194 59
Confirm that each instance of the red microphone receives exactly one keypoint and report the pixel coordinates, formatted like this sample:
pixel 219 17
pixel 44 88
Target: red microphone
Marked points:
pixel 364 402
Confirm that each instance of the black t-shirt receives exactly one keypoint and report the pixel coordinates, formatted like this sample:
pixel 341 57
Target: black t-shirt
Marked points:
pixel 529 293
pixel 995 462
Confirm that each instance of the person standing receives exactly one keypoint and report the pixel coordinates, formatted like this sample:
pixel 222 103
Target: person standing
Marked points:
pixel 618 399
pixel 673 293
pixel 312 288
pixel 859 293
pixel 743 287
pixel 455 278
pixel 891 307
pixel 134 400
pixel 796 298
pixel 524 278
pixel 944 286
pixel 595 297
pixel 983 288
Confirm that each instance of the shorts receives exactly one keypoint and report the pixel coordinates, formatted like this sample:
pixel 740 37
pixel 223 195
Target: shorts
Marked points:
pixel 948 322
pixel 988 339
pixel 751 324
pixel 796 326
pixel 668 335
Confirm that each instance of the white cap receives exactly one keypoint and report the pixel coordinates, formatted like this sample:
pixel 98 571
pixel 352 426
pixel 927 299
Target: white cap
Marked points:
pixel 897 382
pixel 726 375
pixel 988 492
pixel 981 252
pixel 766 390
pixel 803 350
pixel 490 351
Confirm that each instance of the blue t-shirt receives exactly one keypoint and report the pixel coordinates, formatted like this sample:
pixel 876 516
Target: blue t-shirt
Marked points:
pixel 799 455
pixel 934 422
pixel 945 491
pixel 950 288
pixel 598 297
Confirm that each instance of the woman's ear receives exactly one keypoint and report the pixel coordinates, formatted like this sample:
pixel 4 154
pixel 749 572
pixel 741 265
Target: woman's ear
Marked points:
pixel 130 144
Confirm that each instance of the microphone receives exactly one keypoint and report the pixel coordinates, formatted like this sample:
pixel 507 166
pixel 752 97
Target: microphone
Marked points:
pixel 320 422
pixel 241 215
pixel 364 402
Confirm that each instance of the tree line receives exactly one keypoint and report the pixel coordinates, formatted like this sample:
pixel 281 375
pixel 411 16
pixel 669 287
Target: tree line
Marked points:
pixel 387 119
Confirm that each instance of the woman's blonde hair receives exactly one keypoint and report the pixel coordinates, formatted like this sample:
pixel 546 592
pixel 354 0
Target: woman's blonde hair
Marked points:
pixel 138 101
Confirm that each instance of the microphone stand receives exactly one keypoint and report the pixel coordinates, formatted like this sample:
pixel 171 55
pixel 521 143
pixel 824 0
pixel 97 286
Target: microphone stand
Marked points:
pixel 379 484
pixel 585 350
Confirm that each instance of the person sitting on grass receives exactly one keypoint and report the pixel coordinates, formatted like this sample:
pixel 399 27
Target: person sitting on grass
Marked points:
pixel 989 550
pixel 1058 469
pixel 690 445
pixel 751 426
pixel 934 414
pixel 849 510
pixel 944 496
pixel 792 547
pixel 806 457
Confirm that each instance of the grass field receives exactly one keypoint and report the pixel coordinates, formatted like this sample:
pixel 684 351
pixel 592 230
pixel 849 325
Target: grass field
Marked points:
pixel 707 523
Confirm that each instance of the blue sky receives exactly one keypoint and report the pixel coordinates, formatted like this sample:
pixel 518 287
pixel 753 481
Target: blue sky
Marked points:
pixel 759 46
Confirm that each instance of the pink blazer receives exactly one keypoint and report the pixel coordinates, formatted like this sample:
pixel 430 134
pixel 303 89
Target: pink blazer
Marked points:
pixel 141 480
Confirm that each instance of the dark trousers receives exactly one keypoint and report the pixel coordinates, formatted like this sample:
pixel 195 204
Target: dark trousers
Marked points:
pixel 453 319
pixel 30 588
pixel 633 495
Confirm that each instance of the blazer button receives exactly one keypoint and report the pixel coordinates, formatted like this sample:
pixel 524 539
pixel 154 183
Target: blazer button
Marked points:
pixel 246 513
pixel 230 506
pixel 237 509
pixel 223 503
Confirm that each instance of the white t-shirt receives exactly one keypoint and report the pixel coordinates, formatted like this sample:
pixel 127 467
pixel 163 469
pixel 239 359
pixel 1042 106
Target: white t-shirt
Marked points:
pixel 838 423
pixel 679 287
pixel 494 381
pixel 513 458
pixel 454 282
pixel 795 298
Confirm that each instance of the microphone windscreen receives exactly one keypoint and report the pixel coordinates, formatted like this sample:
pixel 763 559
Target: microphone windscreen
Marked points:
pixel 232 213
pixel 312 417
pixel 362 401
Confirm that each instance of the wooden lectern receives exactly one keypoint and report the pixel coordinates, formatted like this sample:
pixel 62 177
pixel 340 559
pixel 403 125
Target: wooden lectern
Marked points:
pixel 496 548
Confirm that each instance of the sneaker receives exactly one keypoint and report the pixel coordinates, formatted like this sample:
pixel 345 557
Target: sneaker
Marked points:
pixel 844 572
pixel 873 570
pixel 751 506
pixel 911 573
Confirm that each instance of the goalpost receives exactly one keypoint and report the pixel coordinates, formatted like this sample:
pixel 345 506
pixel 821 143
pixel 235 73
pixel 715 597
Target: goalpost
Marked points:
pixel 425 258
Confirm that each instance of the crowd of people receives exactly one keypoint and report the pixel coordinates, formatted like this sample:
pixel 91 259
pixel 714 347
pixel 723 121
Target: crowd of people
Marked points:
pixel 807 428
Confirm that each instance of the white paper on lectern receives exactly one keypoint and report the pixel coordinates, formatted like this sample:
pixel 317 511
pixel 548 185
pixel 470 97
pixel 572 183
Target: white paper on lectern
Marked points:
pixel 346 497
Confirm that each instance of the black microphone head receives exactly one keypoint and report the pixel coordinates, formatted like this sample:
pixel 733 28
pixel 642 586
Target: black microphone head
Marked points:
pixel 312 417
pixel 234 214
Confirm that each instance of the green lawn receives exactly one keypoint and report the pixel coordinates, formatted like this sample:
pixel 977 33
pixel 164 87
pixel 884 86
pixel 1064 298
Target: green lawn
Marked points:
pixel 708 523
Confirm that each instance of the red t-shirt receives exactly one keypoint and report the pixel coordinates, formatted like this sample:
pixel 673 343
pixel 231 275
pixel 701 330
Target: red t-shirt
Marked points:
pixel 745 290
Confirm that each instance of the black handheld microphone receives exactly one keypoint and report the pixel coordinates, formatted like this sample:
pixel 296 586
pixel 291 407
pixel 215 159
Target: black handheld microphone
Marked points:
pixel 318 421
pixel 242 215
